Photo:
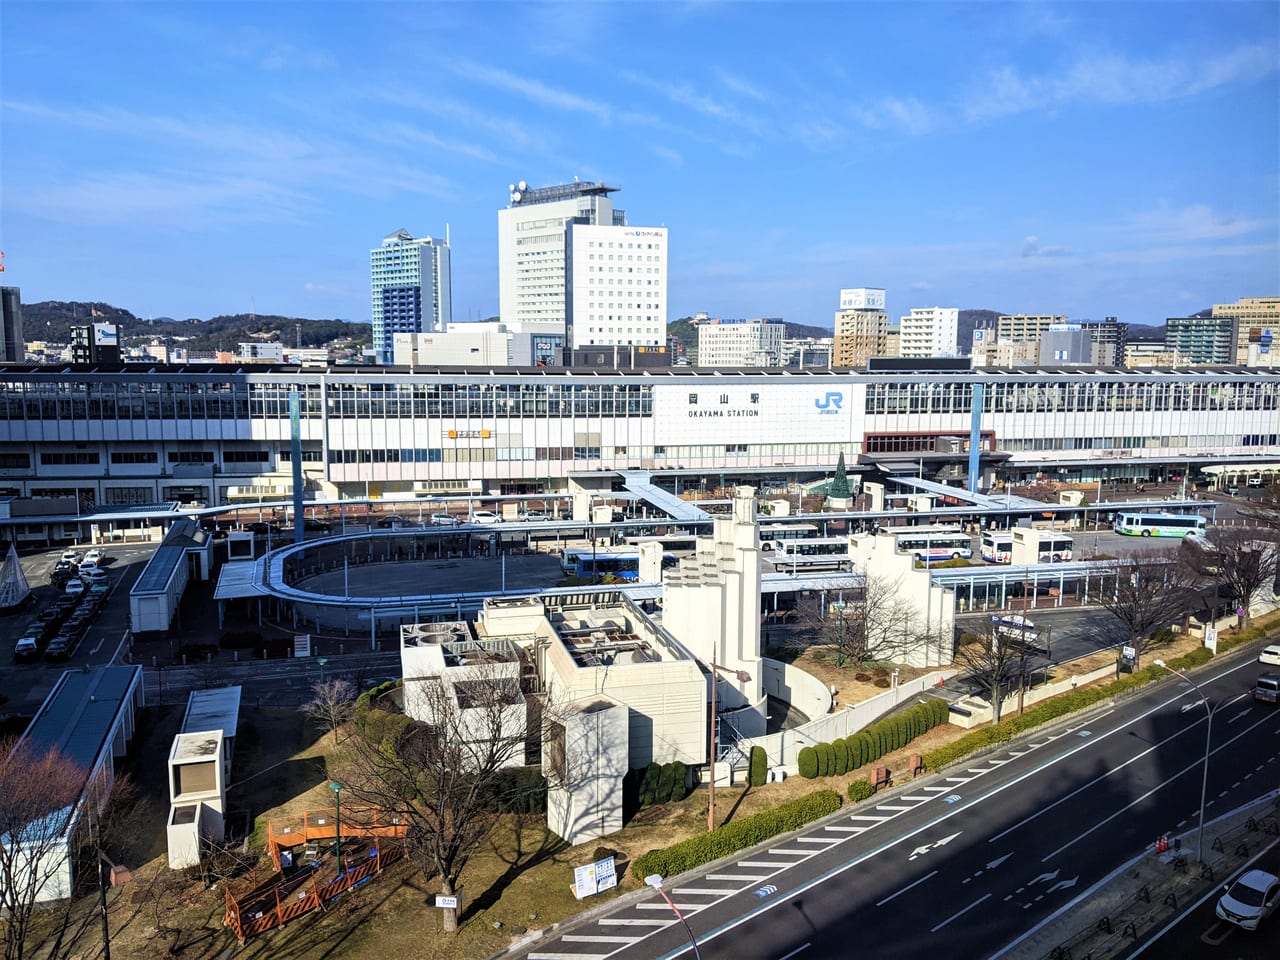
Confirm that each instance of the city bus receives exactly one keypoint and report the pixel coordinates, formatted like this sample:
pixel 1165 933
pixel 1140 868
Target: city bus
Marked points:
pixel 681 544
pixel 930 543
pixel 620 566
pixel 1159 524
pixel 997 546
pixel 1041 546
pixel 817 553
pixel 773 532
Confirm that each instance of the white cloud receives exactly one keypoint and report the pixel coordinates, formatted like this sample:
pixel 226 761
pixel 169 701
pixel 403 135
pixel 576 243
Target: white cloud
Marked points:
pixel 1199 221
pixel 528 88
pixel 906 114
pixel 672 157
pixel 742 86
pixel 684 95
pixel 1032 247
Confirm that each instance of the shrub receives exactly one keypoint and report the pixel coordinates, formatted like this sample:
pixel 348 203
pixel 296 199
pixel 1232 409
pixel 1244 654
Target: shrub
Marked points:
pixel 842 757
pixel 880 673
pixel 758 768
pixel 666 783
pixel 649 784
pixel 807 761
pixel 862 677
pixel 679 781
pixel 861 790
pixel 882 682
pixel 736 835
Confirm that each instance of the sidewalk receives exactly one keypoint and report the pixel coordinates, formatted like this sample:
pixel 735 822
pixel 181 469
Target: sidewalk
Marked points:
pixel 1138 898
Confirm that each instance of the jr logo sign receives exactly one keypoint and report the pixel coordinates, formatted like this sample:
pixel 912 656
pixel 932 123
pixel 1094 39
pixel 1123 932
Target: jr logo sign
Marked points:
pixel 829 403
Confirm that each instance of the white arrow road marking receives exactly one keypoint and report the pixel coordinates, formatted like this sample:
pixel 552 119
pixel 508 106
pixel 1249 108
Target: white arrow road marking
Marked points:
pixel 919 852
pixel 1046 876
pixel 1241 715
pixel 945 840
pixel 999 860
pixel 1063 884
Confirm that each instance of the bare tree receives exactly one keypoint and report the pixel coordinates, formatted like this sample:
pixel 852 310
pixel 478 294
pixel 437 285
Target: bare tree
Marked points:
pixel 39 794
pixel 994 661
pixel 1266 510
pixel 330 704
pixel 440 776
pixel 1148 589
pixel 1241 559
pixel 877 625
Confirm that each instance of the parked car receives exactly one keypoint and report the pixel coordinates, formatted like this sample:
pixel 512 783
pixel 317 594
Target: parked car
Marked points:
pixel 26 649
pixel 71 556
pixel 100 589
pixel 1232 490
pixel 92 556
pixel 1250 900
pixel 443 520
pixel 534 515
pixel 394 522
pixel 312 525
pixel 485 516
pixel 261 528
pixel 96 576
pixel 75 587
pixel 1255 481
pixel 1270 654
pixel 60 649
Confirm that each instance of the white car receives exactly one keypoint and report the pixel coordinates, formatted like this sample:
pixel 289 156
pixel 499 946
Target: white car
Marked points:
pixel 443 520
pixel 93 556
pixel 1250 900
pixel 1270 655
pixel 75 587
pixel 485 516
pixel 71 556
pixel 1255 481
pixel 534 516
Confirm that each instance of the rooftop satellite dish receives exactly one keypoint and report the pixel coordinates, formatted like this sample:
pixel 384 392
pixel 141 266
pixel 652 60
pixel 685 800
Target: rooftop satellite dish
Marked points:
pixel 515 197
pixel 511 187
pixel 523 185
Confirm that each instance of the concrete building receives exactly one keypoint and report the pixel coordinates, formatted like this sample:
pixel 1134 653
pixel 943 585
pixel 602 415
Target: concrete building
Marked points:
pixel 12 346
pixel 929 332
pixel 615 285
pixel 96 343
pixel 861 326
pixel 740 343
pixel 805 353
pixel 1203 340
pixel 411 288
pixel 1065 343
pixel 1258 333
pixel 1146 354
pixel 1025 327
pixel 199 771
pixel 532 236
pixel 1110 337
pixel 260 351
pixel 987 351
pixel 485 345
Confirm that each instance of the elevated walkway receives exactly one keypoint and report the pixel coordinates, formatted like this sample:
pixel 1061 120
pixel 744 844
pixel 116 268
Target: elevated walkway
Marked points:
pixel 981 500
pixel 639 483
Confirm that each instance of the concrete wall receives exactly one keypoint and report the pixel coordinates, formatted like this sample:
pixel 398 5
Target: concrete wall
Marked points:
pixel 588 803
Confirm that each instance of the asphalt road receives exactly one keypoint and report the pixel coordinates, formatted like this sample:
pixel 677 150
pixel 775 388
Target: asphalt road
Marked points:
pixel 1200 935
pixel 966 862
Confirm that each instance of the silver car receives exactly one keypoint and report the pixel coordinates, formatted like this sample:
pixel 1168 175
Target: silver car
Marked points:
pixel 1250 900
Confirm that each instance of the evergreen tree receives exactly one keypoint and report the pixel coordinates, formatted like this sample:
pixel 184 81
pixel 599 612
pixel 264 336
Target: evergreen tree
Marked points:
pixel 839 489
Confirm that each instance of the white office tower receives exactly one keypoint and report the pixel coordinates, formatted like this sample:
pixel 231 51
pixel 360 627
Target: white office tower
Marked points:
pixel 617 284
pixel 532 234
pixel 929 332
pixel 410 279
pixel 740 343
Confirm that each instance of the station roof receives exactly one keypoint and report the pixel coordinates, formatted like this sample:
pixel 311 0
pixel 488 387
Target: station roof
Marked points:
pixel 79 716
pixel 217 709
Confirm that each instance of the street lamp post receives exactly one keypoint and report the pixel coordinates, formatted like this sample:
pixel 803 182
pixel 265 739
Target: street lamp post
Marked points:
pixel 1208 735
pixel 655 880
pixel 322 661
pixel 336 787
pixel 743 677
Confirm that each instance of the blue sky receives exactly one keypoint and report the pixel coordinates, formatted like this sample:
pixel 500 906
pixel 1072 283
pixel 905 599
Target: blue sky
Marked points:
pixel 1098 159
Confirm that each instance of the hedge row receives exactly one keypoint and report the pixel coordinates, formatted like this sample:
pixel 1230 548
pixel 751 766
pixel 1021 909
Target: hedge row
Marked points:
pixel 664 783
pixel 1056 707
pixel 869 745
pixel 516 790
pixel 736 835
pixel 758 767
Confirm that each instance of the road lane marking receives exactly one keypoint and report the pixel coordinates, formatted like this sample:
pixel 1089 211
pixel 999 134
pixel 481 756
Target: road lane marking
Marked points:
pixel 707 891
pixel 914 799
pixel 634 921
pixel 663 905
pixel 844 829
pixel 735 877
pixel 803 946
pixel 872 819
pixel 954 916
pixel 779 852
pixel 826 841
pixel 541 955
pixel 597 938
pixel 917 883
pixel 766 864
pixel 892 806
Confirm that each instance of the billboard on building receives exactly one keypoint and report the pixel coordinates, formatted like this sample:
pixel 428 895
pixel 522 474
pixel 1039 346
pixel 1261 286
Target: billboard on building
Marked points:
pixel 106 335
pixel 862 298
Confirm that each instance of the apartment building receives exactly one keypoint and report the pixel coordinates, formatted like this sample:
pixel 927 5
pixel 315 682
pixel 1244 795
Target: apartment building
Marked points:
pixel 861 326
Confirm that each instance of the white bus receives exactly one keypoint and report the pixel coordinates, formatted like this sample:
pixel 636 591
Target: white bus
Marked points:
pixel 1040 546
pixel 1159 524
pixel 681 544
pixel 997 546
pixel 818 553
pixel 772 532
pixel 930 543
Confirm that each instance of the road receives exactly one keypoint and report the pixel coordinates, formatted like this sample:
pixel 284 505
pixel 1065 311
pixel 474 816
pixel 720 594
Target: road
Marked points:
pixel 1198 934
pixel 968 861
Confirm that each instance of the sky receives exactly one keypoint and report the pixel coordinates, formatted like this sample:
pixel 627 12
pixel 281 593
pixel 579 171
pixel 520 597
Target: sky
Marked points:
pixel 1087 159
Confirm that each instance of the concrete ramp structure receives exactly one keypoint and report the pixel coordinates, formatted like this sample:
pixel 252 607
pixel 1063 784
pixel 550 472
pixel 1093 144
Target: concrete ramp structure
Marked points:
pixel 14 588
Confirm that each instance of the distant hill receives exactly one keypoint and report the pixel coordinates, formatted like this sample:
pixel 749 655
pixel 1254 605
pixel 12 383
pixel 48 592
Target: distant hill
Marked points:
pixel 52 320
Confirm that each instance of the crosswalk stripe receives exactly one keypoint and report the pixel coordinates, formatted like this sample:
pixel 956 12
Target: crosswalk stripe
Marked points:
pixel 632 921
pixel 583 938
pixel 707 891
pixel 778 852
pixel 845 829
pixel 735 877
pixel 765 864
pixel 822 840
pixel 663 905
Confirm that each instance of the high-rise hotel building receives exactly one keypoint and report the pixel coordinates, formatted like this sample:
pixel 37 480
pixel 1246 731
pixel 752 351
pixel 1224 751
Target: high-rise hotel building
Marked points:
pixel 411 288
pixel 566 255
